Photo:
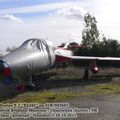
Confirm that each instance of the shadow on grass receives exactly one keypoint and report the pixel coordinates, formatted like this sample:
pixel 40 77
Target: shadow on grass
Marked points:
pixel 44 81
pixel 7 92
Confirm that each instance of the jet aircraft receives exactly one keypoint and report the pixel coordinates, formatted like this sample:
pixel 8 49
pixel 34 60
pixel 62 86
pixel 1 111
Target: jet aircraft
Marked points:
pixel 36 55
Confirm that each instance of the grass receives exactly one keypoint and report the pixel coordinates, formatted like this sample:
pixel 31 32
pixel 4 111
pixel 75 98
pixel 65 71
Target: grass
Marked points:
pixel 50 96
pixel 105 88
pixel 41 97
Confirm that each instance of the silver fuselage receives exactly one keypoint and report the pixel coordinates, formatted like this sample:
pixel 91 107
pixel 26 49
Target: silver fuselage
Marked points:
pixel 32 57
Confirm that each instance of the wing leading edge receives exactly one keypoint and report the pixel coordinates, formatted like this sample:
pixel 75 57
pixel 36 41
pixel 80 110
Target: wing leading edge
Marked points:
pixel 91 58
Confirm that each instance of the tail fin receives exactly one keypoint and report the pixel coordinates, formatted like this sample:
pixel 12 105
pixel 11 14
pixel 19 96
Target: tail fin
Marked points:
pixel 67 43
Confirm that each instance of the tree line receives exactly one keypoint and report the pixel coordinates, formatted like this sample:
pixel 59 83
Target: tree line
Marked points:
pixel 94 44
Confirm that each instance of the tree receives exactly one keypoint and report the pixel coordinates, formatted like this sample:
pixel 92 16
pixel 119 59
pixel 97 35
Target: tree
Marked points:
pixel 73 43
pixel 90 34
pixel 111 47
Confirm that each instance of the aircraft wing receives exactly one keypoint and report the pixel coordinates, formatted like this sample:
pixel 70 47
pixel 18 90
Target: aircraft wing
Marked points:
pixel 90 58
pixel 94 58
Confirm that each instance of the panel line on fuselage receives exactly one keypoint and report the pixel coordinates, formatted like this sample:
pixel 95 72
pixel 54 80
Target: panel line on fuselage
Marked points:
pixel 48 52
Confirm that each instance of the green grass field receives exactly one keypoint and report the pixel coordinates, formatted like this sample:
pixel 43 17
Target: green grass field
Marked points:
pixel 50 96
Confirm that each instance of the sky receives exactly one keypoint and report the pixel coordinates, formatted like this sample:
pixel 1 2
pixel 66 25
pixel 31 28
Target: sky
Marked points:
pixel 55 20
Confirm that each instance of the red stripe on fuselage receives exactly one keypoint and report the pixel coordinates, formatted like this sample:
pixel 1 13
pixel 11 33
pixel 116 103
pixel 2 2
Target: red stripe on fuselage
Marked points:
pixel 61 59
pixel 59 48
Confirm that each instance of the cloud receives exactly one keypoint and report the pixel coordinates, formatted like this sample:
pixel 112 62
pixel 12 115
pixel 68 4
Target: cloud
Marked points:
pixel 38 8
pixel 75 12
pixel 4 0
pixel 9 0
pixel 56 31
pixel 10 18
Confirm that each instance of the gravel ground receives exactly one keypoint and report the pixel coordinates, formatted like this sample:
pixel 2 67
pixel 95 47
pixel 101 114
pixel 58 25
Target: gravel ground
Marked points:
pixel 108 105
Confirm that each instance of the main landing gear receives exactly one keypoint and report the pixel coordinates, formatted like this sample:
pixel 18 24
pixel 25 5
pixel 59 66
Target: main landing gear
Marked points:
pixel 86 74
pixel 92 67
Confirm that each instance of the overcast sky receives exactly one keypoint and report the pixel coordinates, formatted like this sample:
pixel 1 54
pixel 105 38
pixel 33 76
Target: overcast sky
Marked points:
pixel 54 20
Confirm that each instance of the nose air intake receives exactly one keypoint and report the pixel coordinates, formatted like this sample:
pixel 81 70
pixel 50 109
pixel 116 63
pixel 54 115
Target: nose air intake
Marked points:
pixel 5 73
pixel 1 67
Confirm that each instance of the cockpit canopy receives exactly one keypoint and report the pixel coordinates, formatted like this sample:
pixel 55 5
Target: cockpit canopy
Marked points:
pixel 36 43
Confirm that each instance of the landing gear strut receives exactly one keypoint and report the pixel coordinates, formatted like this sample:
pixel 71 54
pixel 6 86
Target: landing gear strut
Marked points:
pixel 86 74
pixel 92 67
pixel 31 83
